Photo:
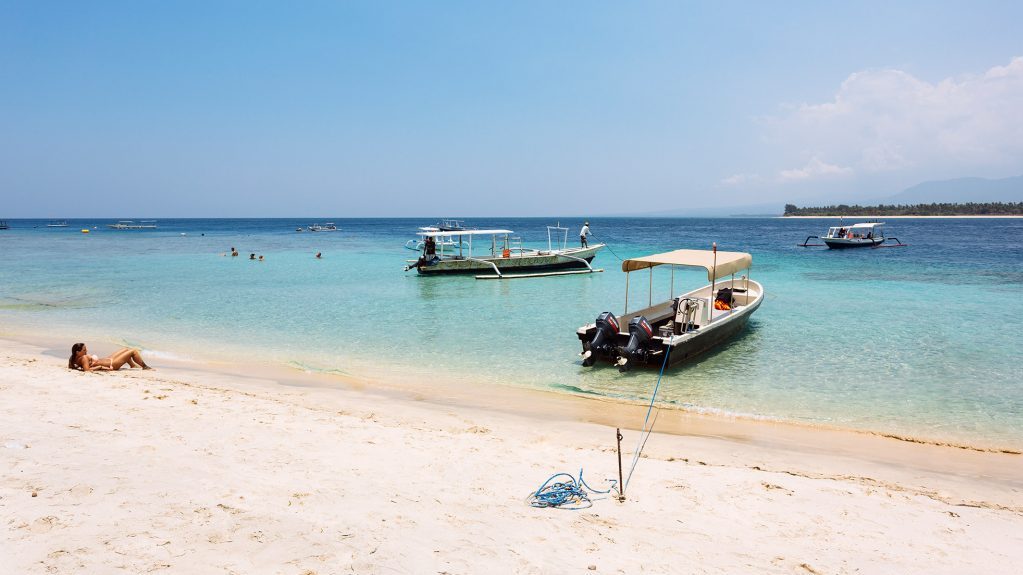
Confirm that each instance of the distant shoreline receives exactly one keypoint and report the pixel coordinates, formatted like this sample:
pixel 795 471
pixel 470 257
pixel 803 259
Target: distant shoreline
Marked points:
pixel 822 217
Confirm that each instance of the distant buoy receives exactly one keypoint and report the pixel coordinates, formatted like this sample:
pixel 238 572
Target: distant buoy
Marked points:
pixel 85 231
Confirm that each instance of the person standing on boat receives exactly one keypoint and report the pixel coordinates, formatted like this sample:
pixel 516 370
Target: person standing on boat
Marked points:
pixel 583 233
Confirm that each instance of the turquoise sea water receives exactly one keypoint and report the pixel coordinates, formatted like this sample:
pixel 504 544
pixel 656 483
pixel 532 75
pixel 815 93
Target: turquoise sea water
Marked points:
pixel 922 341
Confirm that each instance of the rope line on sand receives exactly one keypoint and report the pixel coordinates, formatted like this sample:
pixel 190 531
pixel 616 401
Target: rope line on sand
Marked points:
pixel 571 494
pixel 645 430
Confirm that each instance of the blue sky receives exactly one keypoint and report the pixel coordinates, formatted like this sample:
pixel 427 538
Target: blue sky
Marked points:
pixel 244 109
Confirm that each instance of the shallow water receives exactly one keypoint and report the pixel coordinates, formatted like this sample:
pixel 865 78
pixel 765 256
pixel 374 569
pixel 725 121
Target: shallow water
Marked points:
pixel 921 340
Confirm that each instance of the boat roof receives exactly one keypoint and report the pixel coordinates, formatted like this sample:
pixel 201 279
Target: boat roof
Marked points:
pixel 727 262
pixel 438 234
pixel 865 225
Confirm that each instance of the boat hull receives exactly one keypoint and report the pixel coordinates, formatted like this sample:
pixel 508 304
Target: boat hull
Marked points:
pixel 516 263
pixel 689 349
pixel 845 243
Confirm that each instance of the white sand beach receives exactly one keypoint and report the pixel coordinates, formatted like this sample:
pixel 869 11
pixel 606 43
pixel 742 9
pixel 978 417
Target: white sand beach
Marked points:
pixel 196 471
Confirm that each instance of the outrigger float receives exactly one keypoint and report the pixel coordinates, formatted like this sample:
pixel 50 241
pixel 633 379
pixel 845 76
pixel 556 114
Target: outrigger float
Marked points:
pixel 866 235
pixel 451 252
pixel 682 327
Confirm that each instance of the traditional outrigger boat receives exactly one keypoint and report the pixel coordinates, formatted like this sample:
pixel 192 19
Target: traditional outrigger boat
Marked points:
pixel 500 253
pixel 865 235
pixel 683 327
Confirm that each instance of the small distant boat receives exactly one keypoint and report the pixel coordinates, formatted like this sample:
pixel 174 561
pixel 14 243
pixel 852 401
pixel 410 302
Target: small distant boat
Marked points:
pixel 448 243
pixel 865 235
pixel 445 225
pixel 3 225
pixel 57 224
pixel 682 327
pixel 131 225
pixel 299 230
pixel 327 227
pixel 501 253
pixel 451 225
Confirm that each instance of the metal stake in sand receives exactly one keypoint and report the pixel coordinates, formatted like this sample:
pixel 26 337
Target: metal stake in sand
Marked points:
pixel 621 486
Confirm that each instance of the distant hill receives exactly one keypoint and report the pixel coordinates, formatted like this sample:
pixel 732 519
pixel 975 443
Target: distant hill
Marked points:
pixel 962 190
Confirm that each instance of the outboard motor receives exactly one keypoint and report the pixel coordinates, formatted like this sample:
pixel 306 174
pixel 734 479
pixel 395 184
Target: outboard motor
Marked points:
pixel 603 341
pixel 640 332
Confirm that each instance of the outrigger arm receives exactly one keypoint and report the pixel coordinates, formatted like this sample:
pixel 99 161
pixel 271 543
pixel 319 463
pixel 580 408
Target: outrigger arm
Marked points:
pixel 588 266
pixel 489 263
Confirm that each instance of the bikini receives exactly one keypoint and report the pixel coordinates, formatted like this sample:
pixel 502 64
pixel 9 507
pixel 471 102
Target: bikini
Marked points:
pixel 95 360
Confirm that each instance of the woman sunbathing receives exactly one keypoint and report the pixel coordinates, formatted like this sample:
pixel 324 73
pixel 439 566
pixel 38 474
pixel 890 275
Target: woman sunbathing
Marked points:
pixel 80 359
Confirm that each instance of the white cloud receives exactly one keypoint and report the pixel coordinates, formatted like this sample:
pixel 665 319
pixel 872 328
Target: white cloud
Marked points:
pixel 813 169
pixel 739 179
pixel 889 121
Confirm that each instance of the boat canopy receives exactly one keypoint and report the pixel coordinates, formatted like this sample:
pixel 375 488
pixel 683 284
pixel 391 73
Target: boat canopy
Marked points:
pixel 448 234
pixel 727 262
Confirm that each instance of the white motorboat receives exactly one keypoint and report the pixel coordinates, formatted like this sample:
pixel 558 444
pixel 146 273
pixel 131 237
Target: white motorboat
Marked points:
pixel 327 227
pixel 57 224
pixel 499 252
pixel 683 327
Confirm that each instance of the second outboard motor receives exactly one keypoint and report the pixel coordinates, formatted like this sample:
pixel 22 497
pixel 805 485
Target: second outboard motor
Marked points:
pixel 640 332
pixel 604 340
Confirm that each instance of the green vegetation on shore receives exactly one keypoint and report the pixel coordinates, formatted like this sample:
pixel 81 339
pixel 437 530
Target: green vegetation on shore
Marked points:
pixel 942 209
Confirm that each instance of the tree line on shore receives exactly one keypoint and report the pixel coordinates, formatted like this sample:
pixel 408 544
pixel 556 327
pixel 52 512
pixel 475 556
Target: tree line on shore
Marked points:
pixel 935 209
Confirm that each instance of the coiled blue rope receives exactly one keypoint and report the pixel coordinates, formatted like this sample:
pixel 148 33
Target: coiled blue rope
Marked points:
pixel 570 494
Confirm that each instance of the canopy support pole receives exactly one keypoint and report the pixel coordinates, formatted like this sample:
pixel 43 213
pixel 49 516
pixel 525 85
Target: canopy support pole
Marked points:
pixel 627 292
pixel 650 294
pixel 713 280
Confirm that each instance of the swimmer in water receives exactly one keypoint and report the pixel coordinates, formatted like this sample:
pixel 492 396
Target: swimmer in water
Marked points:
pixel 80 359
